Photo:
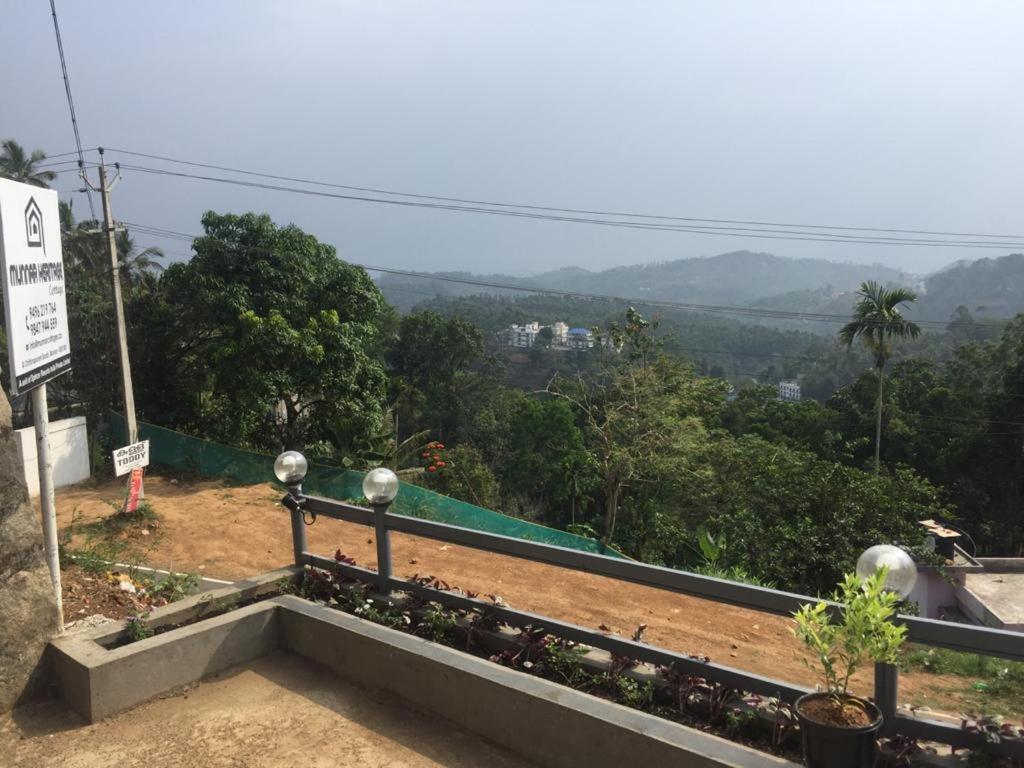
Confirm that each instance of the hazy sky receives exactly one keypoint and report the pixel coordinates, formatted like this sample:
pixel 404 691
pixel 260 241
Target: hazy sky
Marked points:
pixel 905 114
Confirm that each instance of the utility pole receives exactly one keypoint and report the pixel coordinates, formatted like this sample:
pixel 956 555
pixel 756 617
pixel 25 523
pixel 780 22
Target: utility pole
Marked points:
pixel 109 231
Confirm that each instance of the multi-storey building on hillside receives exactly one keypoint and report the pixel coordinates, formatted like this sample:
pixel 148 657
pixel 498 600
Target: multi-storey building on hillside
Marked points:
pixel 789 391
pixel 525 336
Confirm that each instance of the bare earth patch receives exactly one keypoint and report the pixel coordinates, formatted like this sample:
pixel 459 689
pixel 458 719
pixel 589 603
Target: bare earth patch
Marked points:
pixel 88 594
pixel 275 712
pixel 232 531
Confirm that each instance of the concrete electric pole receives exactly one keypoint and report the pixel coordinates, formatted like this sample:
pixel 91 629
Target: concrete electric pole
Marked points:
pixel 115 281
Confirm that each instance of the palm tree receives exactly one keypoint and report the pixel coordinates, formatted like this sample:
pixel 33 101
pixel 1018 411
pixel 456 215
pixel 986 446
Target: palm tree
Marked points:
pixel 83 242
pixel 16 165
pixel 85 247
pixel 138 268
pixel 876 321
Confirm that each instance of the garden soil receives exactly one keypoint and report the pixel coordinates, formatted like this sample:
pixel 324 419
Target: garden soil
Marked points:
pixel 91 594
pixel 229 531
pixel 275 712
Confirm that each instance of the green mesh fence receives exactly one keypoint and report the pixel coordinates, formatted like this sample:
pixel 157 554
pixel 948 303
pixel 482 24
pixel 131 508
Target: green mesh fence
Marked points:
pixel 193 454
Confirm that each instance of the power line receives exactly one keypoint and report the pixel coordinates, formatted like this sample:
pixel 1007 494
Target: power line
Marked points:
pixel 704 308
pixel 979 421
pixel 705 230
pixel 583 211
pixel 51 159
pixel 57 163
pixel 953 433
pixel 65 154
pixel 71 101
pixel 50 163
pixel 76 168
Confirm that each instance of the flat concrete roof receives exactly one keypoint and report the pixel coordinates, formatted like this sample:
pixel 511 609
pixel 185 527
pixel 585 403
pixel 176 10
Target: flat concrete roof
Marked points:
pixel 1002 594
pixel 280 710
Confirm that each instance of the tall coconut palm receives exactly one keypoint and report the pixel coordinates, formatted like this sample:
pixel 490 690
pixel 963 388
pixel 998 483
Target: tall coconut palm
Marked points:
pixel 16 164
pixel 138 268
pixel 83 243
pixel 876 321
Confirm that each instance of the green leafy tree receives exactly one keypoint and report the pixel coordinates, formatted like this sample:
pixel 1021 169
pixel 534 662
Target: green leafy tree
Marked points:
pixel 877 320
pixel 93 385
pixel 982 459
pixel 466 477
pixel 791 517
pixel 637 414
pixel 439 366
pixel 807 425
pixel 544 463
pixel 262 339
pixel 19 165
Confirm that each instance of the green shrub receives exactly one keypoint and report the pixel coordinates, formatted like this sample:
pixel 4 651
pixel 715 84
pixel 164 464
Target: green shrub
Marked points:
pixel 866 634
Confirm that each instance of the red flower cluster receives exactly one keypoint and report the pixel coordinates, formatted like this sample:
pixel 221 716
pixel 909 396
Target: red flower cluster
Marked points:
pixel 433 457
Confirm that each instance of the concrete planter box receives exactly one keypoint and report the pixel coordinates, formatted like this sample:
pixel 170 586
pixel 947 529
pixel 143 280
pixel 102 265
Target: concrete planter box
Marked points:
pixel 546 723
pixel 98 680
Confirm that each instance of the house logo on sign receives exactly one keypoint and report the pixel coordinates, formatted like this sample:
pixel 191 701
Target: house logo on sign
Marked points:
pixel 34 225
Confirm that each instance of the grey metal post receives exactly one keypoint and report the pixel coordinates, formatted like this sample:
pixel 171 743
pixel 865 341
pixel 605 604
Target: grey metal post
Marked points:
pixel 298 528
pixel 886 695
pixel 383 536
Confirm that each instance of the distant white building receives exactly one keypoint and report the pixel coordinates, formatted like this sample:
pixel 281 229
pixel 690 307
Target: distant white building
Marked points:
pixel 523 335
pixel 789 391
pixel 561 334
pixel 580 339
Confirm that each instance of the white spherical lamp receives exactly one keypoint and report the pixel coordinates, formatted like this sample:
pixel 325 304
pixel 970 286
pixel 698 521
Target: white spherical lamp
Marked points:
pixel 290 468
pixel 902 573
pixel 380 486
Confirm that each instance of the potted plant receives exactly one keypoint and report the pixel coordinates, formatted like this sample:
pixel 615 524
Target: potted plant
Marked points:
pixel 837 728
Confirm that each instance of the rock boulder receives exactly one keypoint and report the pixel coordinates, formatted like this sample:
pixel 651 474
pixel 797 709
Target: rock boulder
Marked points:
pixel 28 610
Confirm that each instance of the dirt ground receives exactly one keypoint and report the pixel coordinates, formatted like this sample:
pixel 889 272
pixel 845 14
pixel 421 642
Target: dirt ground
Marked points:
pixel 88 594
pixel 277 711
pixel 230 531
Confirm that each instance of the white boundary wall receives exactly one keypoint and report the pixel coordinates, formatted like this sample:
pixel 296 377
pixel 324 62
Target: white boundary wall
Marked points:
pixel 69 447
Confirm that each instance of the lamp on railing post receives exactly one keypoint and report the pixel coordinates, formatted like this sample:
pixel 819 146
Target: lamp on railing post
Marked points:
pixel 380 486
pixel 900 578
pixel 290 468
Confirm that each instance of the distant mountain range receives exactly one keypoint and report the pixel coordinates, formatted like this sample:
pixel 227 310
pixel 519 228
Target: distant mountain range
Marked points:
pixel 987 287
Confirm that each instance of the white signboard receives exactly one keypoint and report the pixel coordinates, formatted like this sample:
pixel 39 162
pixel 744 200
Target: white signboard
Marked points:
pixel 131 457
pixel 33 280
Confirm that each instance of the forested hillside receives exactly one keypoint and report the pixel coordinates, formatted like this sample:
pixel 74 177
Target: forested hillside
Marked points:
pixel 715 344
pixel 989 288
pixel 731 278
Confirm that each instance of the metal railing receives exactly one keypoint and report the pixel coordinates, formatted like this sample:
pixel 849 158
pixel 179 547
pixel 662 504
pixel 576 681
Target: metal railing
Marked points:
pixel 958 637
